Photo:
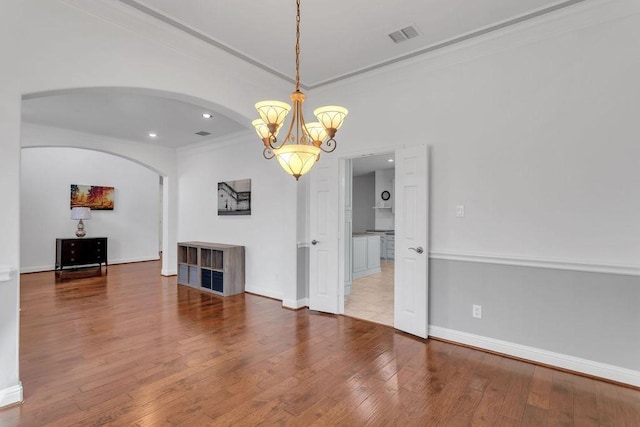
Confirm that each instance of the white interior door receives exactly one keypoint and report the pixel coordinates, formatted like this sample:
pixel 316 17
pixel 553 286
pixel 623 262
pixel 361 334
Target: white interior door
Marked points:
pixel 323 231
pixel 411 242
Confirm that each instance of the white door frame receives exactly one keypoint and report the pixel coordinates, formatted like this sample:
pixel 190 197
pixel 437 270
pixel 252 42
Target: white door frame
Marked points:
pixel 341 209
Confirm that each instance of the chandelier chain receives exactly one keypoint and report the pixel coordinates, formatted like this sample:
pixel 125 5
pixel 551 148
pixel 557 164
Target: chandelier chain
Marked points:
pixel 298 46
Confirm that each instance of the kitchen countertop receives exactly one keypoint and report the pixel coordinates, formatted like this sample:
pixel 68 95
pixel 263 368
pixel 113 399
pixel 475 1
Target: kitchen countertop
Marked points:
pixel 382 231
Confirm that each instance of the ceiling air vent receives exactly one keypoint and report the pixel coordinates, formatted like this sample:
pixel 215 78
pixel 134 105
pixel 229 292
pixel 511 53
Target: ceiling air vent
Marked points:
pixel 404 34
pixel 203 133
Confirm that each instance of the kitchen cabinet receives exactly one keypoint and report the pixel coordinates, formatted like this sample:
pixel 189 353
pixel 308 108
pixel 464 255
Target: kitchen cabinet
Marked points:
pixel 366 255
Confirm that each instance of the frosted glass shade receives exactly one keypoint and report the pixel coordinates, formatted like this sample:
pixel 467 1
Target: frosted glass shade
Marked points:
pixel 80 213
pixel 262 129
pixel 331 116
pixel 316 132
pixel 297 159
pixel 273 112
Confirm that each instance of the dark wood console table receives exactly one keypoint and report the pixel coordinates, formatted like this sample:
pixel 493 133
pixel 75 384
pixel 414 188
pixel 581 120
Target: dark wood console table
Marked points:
pixel 81 252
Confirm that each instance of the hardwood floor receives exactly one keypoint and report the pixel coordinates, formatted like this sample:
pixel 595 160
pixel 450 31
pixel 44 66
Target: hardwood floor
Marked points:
pixel 371 297
pixel 132 348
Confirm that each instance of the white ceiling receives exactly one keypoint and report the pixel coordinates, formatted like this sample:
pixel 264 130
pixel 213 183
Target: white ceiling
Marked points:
pixel 367 164
pixel 128 114
pixel 339 39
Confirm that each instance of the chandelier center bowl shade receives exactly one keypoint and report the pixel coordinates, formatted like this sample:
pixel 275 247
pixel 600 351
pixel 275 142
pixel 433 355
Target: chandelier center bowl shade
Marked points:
pixel 298 151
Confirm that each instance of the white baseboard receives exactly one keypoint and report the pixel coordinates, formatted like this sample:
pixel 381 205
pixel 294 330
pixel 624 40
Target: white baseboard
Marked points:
pixel 51 267
pixel 11 395
pixel 169 272
pixel 589 367
pixel 269 293
pixel 295 304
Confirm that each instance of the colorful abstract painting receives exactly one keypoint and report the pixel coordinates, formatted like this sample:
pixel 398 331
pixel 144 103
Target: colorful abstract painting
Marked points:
pixel 92 196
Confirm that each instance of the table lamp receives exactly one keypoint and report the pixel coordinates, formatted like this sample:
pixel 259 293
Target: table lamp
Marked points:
pixel 80 214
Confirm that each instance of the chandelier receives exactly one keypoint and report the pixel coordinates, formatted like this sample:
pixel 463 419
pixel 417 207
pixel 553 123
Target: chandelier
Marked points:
pixel 301 147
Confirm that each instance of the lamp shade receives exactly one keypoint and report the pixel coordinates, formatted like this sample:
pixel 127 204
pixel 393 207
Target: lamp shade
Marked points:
pixel 273 112
pixel 331 116
pixel 316 132
pixel 297 159
pixel 80 213
pixel 263 130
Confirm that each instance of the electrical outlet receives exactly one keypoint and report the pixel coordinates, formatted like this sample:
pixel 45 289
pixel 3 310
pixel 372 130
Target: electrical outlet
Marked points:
pixel 477 311
pixel 460 211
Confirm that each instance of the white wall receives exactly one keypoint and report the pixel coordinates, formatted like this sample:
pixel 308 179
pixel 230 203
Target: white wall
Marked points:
pixel 268 234
pixel 533 129
pixel 47 173
pixel 364 188
pixel 385 218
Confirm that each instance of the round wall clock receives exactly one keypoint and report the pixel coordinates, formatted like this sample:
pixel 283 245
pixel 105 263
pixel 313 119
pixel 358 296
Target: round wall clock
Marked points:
pixel 385 195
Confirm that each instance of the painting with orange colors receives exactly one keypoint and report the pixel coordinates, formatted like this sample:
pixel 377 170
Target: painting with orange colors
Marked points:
pixel 92 196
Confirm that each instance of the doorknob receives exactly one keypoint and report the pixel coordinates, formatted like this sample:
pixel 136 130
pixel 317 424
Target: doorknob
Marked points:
pixel 314 242
pixel 418 249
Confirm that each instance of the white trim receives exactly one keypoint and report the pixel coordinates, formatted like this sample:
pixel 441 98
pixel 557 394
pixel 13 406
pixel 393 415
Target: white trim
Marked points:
pixel 265 292
pixel 304 302
pixel 11 395
pixel 575 265
pixel 564 361
pixel 169 272
pixel 41 268
pixel 5 273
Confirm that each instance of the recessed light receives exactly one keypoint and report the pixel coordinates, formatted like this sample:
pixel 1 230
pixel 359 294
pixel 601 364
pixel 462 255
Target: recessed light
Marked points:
pixel 207 115
pixel 153 135
pixel 390 160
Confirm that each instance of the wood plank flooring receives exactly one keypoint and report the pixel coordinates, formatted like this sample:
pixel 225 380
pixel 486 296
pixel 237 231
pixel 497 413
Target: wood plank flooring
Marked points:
pixel 133 348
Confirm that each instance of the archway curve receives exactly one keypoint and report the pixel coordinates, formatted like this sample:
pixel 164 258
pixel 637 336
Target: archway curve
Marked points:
pixel 146 204
pixel 160 160
pixel 210 105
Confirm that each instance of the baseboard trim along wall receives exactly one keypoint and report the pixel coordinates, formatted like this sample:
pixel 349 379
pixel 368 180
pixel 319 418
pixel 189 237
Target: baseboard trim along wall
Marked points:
pixel 11 395
pixel 263 292
pixel 576 364
pixel 42 268
pixel 295 304
pixel 575 265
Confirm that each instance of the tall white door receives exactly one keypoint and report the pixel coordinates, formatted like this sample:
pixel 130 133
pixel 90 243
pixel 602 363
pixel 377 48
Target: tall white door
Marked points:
pixel 323 231
pixel 411 241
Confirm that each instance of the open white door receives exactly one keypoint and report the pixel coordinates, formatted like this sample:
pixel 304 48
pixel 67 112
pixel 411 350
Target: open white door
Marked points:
pixel 323 231
pixel 411 242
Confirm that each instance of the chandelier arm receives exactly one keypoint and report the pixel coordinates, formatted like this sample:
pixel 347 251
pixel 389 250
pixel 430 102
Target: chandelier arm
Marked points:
pixel 267 153
pixel 305 133
pixel 273 143
pixel 331 145
pixel 290 133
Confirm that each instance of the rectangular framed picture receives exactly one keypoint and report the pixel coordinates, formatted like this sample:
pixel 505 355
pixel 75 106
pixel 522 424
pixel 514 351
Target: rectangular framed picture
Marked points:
pixel 234 197
pixel 92 196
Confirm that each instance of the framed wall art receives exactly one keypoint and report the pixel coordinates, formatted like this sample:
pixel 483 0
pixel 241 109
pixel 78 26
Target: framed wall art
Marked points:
pixel 92 196
pixel 234 197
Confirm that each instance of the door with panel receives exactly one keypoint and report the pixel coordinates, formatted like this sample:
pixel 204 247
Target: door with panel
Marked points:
pixel 411 241
pixel 323 230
